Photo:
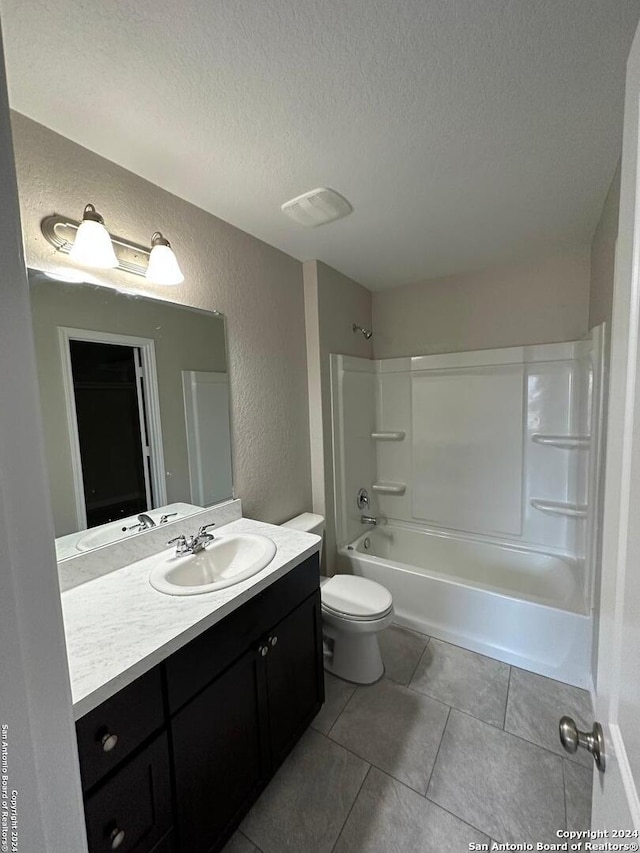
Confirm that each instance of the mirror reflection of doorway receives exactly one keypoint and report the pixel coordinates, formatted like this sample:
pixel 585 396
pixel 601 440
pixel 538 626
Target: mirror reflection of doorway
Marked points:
pixel 112 430
pixel 112 407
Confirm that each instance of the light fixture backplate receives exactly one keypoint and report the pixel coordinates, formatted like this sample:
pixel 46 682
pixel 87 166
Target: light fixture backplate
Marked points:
pixel 61 231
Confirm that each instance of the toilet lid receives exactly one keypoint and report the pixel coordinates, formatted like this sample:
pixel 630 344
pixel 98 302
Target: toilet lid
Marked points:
pixel 355 596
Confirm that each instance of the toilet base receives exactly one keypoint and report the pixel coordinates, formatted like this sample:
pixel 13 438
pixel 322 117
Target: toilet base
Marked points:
pixel 353 657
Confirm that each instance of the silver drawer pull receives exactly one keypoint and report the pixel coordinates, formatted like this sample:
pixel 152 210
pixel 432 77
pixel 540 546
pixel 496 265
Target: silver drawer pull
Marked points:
pixel 116 838
pixel 108 743
pixel 273 641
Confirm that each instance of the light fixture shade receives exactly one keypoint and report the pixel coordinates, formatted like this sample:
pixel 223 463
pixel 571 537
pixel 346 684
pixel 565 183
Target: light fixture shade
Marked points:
pixel 92 246
pixel 163 265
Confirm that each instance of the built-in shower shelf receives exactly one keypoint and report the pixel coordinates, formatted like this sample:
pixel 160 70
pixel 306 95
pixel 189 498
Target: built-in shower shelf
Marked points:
pixel 390 488
pixel 568 442
pixel 560 508
pixel 396 435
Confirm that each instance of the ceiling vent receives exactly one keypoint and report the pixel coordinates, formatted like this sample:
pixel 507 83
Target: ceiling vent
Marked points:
pixel 317 207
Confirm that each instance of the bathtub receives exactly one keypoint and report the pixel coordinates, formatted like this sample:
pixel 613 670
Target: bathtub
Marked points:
pixel 521 607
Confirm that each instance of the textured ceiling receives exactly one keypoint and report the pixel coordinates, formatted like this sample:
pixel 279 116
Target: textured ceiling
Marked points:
pixel 464 132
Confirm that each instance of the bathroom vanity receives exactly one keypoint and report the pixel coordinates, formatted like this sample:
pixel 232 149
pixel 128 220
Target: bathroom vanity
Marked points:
pixel 173 760
pixel 185 702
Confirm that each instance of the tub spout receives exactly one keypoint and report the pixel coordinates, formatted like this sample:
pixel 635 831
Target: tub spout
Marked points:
pixel 368 519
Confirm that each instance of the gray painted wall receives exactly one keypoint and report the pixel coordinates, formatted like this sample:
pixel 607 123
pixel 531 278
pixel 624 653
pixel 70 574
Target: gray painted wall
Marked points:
pixel 257 287
pixel 603 252
pixel 333 304
pixel 542 301
pixel 603 249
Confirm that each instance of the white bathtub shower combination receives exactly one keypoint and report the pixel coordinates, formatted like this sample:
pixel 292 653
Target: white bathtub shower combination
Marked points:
pixel 522 607
pixel 480 469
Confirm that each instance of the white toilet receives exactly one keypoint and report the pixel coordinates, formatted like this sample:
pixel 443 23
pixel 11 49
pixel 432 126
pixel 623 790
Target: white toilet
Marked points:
pixel 354 611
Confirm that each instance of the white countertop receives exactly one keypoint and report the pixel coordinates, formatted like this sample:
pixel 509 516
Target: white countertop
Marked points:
pixel 118 627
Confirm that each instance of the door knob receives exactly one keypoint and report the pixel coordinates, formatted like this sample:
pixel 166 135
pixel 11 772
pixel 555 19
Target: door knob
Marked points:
pixel 571 738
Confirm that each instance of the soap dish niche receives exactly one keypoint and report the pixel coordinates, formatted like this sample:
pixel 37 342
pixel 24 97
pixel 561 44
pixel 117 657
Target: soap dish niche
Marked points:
pixel 388 435
pixel 390 488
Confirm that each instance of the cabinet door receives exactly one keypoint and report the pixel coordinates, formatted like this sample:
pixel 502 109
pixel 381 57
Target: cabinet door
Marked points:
pixel 219 754
pixel 132 811
pixel 295 683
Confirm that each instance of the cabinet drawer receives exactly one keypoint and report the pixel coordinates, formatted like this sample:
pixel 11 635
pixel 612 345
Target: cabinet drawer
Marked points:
pixel 191 668
pixel 131 812
pixel 111 732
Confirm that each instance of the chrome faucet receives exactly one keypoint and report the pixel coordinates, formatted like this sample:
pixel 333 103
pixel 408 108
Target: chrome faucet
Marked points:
pixel 368 519
pixel 194 544
pixel 145 522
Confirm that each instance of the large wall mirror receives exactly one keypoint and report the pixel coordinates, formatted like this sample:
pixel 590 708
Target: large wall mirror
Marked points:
pixel 135 405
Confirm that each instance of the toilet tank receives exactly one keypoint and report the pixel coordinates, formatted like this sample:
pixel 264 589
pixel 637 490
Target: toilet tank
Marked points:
pixel 308 522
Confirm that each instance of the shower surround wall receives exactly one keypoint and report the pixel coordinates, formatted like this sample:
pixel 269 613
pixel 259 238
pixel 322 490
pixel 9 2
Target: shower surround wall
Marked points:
pixel 493 447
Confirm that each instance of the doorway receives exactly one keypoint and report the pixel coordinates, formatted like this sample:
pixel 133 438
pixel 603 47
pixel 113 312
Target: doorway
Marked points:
pixel 113 413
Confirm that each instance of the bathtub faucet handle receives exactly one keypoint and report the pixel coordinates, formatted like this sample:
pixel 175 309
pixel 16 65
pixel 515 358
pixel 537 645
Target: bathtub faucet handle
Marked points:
pixel 362 499
pixel 368 519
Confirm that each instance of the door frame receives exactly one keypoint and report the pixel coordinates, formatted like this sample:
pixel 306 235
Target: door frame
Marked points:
pixel 152 403
pixel 616 803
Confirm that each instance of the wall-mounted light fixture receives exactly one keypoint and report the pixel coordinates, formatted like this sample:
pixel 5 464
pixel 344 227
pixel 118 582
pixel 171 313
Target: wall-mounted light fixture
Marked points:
pixel 90 244
pixel 163 265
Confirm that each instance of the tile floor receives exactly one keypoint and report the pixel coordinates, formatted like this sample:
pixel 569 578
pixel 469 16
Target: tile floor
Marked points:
pixel 449 748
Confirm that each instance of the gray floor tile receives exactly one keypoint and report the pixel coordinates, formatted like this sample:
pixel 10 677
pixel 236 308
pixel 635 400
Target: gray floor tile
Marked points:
pixel 308 800
pixel 534 708
pixel 394 728
pixel 388 816
pixel 508 788
pixel 337 694
pixel 578 783
pixel 465 680
pixel 239 843
pixel 401 650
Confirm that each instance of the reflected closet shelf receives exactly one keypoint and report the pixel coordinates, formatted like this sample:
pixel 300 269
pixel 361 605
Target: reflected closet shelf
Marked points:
pixel 568 442
pixel 560 508
pixel 389 488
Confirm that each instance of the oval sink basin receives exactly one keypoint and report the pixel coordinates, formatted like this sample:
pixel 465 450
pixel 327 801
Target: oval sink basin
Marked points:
pixel 228 560
pixel 106 534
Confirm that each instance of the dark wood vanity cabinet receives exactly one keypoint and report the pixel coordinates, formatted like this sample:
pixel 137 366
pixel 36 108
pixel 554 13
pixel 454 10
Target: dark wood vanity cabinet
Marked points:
pixel 113 731
pixel 131 812
pixel 230 738
pixel 294 677
pixel 219 717
pixel 219 748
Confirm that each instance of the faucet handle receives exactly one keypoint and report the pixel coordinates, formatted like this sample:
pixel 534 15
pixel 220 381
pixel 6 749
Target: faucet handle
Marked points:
pixel 165 518
pixel 181 540
pixel 205 527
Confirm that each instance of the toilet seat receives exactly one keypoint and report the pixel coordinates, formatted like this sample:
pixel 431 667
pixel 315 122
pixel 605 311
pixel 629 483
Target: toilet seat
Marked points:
pixel 355 598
